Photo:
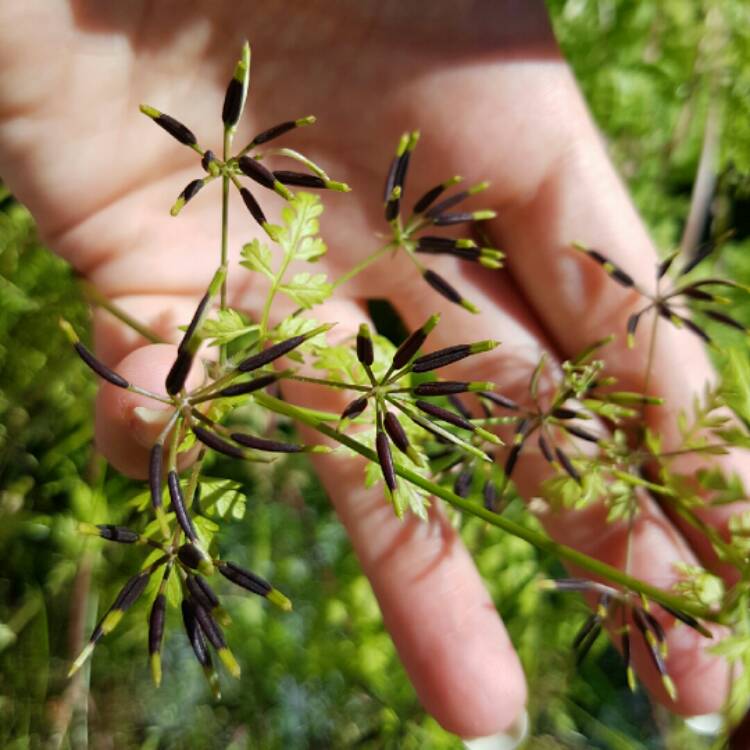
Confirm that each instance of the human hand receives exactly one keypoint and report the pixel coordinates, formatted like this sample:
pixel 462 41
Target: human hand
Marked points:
pixel 494 100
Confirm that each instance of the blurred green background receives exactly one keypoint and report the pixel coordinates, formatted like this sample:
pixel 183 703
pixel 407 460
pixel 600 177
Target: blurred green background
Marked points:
pixel 326 676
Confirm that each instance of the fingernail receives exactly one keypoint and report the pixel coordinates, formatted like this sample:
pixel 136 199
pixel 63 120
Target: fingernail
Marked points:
pixel 707 725
pixel 511 739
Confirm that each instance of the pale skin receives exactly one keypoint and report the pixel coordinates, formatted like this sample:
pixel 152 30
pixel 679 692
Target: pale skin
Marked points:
pixel 494 100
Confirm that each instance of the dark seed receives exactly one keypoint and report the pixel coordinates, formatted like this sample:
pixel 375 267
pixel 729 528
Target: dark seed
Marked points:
pixel 409 347
pixel 262 444
pixel 240 389
pixel 441 286
pixel 191 189
pixel 396 431
pixel 365 352
pixel 512 459
pixel 567 465
pixel 274 132
pixel 252 206
pixel 179 371
pixel 441 358
pixel 256 171
pixel 194 634
pixel 689 620
pixel 386 459
pixel 545 449
pixel 355 408
pixel 176 129
pixel 117 533
pixel 489 494
pixel 499 400
pixel 131 591
pixel 441 388
pixel 390 180
pixel 428 198
pixel 392 209
pixel 178 506
pixel 232 109
pixel 244 578
pixel 209 626
pixel 202 592
pixel 459 406
pixel 190 555
pixel 154 474
pixel 563 413
pixel 702 253
pixel 444 205
pixel 156 624
pixel 444 220
pixel 462 485
pixel 272 353
pixel 216 443
pixel 721 317
pixel 195 321
pixel 100 368
pixel 299 179
pixel 208 157
pixel 443 414
pixel 580 433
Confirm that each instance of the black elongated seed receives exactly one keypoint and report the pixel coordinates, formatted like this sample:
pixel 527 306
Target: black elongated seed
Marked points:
pixel 580 433
pixel 669 314
pixel 567 464
pixel 499 400
pixel 232 109
pixel 252 206
pixel 441 358
pixel 273 132
pixel 444 415
pixel 727 320
pixel 444 205
pixel 445 220
pixel 698 294
pixel 176 129
pixel 154 473
pixel 459 406
pixel 390 180
pixel 131 591
pixel 104 372
pixel 117 533
pixel 156 624
pixel 365 351
pixel 462 484
pixel 210 627
pixel 440 244
pixel 585 645
pixel 564 413
pixel 272 353
pixel 207 158
pixel 701 254
pixel 188 554
pixel 401 170
pixel 191 189
pixel 442 287
pixel 299 179
pixel 244 578
pixel 642 625
pixel 179 371
pixel 545 449
pixel 489 495
pixel 354 408
pixel 178 506
pixel 194 634
pixel 614 271
pixel 665 265
pixel 202 592
pixel 262 444
pixel 385 458
pixel 195 321
pixel 689 620
pixel 408 348
pixel 463 253
pixel 240 389
pixel 633 324
pixel 441 388
pixel 253 169
pixel 216 443
pixel 512 459
pixel 396 431
pixel 655 626
pixel 392 208
pixel 428 198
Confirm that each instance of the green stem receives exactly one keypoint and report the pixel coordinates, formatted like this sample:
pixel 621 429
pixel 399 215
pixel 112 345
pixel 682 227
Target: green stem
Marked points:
pixel 362 265
pixel 539 540
pixel 97 299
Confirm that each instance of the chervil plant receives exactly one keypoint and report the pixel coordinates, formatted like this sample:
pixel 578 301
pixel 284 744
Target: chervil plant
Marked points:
pixel 423 436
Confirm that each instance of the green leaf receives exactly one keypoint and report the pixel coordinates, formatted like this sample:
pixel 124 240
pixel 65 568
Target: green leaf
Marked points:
pixel 227 326
pixel 257 256
pixel 308 289
pixel 222 498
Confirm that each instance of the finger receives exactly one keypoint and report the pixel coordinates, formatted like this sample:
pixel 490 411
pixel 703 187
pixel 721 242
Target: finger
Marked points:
pixel 435 606
pixel 580 198
pixel 653 547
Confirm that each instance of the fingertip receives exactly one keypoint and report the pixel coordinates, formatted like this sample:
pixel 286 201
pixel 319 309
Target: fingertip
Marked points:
pixel 123 435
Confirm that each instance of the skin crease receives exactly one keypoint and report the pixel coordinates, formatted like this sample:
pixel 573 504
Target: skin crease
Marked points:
pixel 485 83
